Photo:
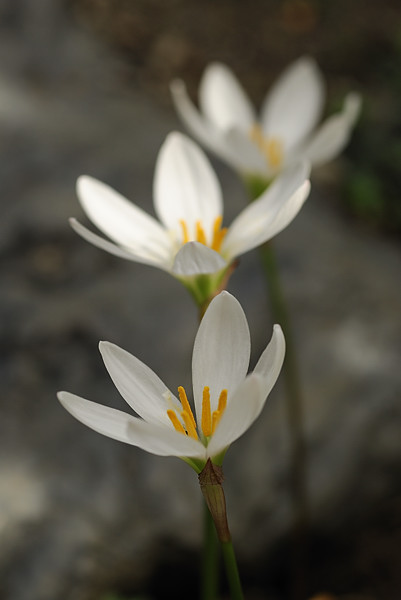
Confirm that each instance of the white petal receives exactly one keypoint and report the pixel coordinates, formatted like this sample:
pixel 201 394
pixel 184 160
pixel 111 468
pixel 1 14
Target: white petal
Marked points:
pixel 271 360
pixel 157 439
pixel 196 123
pixel 196 259
pixel 163 441
pixel 119 219
pixel 140 387
pixel 103 419
pixel 185 186
pixel 270 213
pixel 221 351
pixel 232 145
pixel 223 100
pixel 243 408
pixel 294 105
pixel 333 135
pixel 141 255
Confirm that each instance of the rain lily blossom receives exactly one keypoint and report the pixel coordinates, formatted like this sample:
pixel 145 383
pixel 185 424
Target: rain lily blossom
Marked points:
pixel 188 240
pixel 286 130
pixel 227 400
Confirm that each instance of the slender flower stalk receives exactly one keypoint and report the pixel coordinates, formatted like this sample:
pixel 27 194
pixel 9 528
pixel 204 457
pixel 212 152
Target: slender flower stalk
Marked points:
pixel 189 240
pixel 211 480
pixel 295 420
pixel 286 131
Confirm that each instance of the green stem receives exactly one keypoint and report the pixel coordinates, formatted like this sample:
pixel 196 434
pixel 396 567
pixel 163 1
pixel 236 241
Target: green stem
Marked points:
pixel 232 571
pixel 210 562
pixel 295 421
pixel 211 484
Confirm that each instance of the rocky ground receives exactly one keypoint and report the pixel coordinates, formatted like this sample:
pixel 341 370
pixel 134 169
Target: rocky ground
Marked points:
pixel 80 514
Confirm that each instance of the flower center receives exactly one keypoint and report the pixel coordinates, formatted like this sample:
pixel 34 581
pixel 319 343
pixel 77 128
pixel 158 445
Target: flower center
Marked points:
pixel 271 148
pixel 209 420
pixel 218 233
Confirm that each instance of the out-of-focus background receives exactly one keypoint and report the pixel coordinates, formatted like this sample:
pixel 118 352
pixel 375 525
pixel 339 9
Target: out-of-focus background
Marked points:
pixel 84 89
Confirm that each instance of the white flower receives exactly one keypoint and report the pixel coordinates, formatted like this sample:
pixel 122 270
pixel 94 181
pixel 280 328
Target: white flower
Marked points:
pixel 227 400
pixel 189 239
pixel 286 130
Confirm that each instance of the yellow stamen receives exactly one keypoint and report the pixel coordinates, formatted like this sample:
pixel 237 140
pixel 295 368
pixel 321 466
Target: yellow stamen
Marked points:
pixel 222 401
pixel 272 148
pixel 200 233
pixel 174 419
pixel 216 416
pixel 189 424
pixel 274 152
pixel 185 232
pixel 209 421
pixel 218 234
pixel 206 414
pixel 185 404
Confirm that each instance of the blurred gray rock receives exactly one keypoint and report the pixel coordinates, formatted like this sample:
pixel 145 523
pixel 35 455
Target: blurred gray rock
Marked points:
pixel 79 513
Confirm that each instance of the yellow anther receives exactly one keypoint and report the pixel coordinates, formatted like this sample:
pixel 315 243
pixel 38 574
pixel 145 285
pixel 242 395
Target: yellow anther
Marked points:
pixel 200 233
pixel 185 232
pixel 209 421
pixel 274 152
pixel 222 401
pixel 218 234
pixel 216 416
pixel 206 414
pixel 185 404
pixel 272 148
pixel 174 419
pixel 189 424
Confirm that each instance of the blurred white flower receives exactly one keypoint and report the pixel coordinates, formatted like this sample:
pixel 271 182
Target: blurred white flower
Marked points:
pixel 227 400
pixel 285 132
pixel 189 239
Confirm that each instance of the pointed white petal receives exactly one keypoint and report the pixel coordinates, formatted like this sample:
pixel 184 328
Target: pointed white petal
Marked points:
pixel 223 100
pixel 163 441
pixel 140 387
pixel 103 419
pixel 196 259
pixel 157 439
pixel 271 360
pixel 141 255
pixel 196 123
pixel 233 145
pixel 270 213
pixel 185 186
pixel 122 221
pixel 333 135
pixel 294 105
pixel 221 351
pixel 243 408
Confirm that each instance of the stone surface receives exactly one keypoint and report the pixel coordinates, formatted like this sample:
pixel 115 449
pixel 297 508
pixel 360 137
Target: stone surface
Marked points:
pixel 79 513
